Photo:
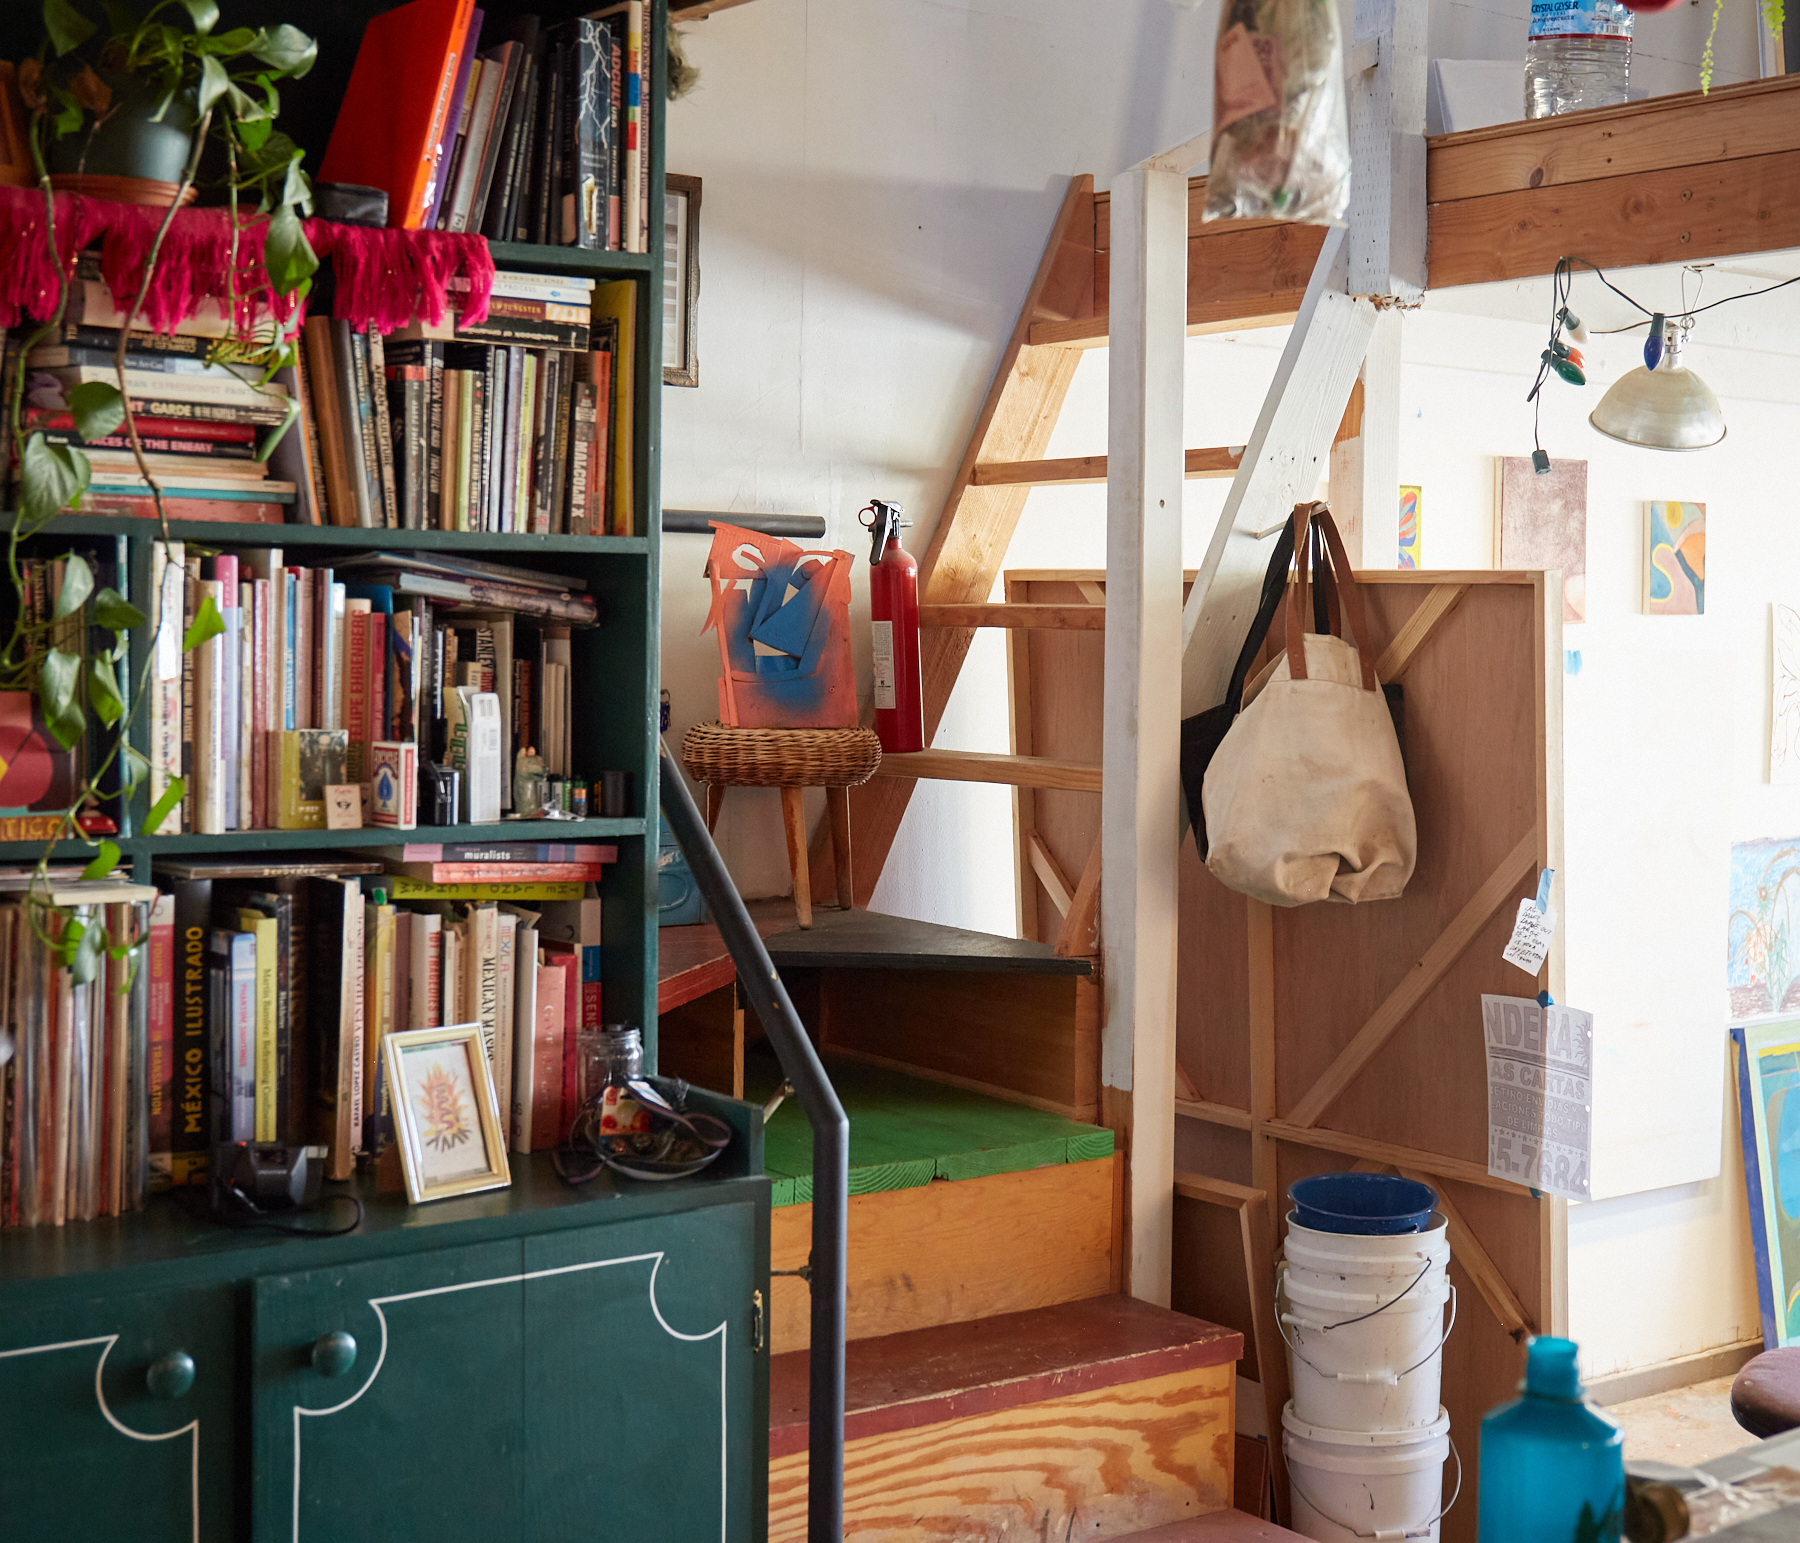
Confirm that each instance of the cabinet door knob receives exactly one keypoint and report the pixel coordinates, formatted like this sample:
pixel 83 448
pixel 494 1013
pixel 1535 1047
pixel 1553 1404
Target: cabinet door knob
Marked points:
pixel 333 1354
pixel 170 1375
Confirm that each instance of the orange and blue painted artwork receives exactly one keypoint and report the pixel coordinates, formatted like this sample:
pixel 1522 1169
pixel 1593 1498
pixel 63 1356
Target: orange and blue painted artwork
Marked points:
pixel 1674 558
pixel 1409 527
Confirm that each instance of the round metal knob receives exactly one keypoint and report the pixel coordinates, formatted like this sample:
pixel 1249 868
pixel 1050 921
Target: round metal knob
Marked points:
pixel 333 1354
pixel 171 1375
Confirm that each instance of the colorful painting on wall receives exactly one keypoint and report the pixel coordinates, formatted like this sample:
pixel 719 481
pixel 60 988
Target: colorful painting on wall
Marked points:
pixel 1768 1069
pixel 1674 558
pixel 1763 940
pixel 1409 527
pixel 1541 522
pixel 1784 696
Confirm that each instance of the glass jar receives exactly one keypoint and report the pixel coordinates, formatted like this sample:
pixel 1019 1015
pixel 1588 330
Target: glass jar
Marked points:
pixel 528 784
pixel 611 1059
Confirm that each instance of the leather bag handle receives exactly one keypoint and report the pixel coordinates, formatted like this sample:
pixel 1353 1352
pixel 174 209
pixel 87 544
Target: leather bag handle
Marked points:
pixel 1305 517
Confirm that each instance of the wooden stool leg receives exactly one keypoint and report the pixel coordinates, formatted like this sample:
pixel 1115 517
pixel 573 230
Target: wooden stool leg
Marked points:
pixel 837 810
pixel 793 817
pixel 715 798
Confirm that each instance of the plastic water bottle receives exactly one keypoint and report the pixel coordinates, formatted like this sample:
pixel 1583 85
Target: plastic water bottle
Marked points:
pixel 1577 54
pixel 1552 1466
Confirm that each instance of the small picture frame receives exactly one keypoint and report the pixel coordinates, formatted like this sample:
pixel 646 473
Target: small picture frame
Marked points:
pixel 446 1118
pixel 681 280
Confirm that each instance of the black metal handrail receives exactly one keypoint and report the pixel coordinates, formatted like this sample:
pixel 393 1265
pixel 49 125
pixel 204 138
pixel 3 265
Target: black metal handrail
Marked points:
pixel 831 1154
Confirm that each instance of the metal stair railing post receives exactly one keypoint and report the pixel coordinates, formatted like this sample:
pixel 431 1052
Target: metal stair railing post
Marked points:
pixel 831 1154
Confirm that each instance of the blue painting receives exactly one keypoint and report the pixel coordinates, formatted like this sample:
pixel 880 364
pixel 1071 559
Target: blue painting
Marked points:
pixel 1674 558
pixel 1769 1109
pixel 1762 970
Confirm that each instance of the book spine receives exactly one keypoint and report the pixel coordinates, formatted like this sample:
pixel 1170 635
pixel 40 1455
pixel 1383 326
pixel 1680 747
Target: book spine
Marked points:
pixel 356 465
pixel 191 1139
pixel 246 704
pixel 225 709
pixel 634 125
pixel 160 1042
pixel 382 429
pixel 320 511
pixel 378 1014
pixel 434 433
pixel 514 1027
pixel 324 382
pixel 356 687
pixel 451 461
pixel 265 1101
pixel 378 680
pixel 259 704
pixel 586 225
pixel 574 517
pixel 241 1039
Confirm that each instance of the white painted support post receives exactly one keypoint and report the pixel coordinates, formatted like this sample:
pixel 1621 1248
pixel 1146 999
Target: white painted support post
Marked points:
pixel 1140 828
pixel 1387 151
pixel 1365 470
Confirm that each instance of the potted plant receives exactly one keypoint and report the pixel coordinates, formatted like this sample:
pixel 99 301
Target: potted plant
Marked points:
pixel 126 98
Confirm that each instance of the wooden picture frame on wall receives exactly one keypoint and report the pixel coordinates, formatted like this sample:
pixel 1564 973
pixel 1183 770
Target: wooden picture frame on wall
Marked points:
pixel 681 280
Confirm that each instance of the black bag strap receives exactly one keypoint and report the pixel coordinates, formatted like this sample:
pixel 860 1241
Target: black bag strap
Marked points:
pixel 1274 587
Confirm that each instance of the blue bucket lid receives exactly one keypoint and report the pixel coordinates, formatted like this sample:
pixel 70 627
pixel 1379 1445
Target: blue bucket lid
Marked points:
pixel 1368 1204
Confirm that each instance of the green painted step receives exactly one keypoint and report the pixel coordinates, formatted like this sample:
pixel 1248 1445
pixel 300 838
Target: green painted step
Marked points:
pixel 905 1132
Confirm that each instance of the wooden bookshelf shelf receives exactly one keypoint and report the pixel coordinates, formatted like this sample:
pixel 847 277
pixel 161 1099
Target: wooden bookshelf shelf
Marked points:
pixel 186 844
pixel 229 533
pixel 575 259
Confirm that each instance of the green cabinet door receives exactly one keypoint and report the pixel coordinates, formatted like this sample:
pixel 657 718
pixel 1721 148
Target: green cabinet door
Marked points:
pixel 642 1414
pixel 411 1432
pixel 117 1417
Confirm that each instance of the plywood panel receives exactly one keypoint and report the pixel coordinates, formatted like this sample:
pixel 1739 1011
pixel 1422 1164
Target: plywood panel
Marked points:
pixel 1105 1463
pixel 953 1251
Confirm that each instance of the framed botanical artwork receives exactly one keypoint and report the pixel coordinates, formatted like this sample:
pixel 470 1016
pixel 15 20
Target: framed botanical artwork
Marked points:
pixel 681 279
pixel 446 1118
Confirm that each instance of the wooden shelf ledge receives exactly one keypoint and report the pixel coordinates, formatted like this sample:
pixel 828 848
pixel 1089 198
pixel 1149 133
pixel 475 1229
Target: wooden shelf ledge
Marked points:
pixel 1019 771
pixel 1216 461
pixel 1057 618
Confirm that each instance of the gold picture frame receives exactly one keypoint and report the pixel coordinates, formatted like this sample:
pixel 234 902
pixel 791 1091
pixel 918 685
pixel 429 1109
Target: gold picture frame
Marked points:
pixel 442 1093
pixel 681 280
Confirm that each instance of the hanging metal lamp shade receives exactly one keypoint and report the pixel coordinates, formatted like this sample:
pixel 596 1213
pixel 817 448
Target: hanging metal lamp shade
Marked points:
pixel 1668 408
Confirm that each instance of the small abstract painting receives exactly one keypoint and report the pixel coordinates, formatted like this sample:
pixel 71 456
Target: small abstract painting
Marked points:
pixel 1762 971
pixel 1674 558
pixel 1768 1067
pixel 1541 522
pixel 1409 527
pixel 1784 697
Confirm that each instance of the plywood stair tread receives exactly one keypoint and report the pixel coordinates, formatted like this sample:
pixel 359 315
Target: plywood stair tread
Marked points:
pixel 906 1131
pixel 1215 1527
pixel 899 1382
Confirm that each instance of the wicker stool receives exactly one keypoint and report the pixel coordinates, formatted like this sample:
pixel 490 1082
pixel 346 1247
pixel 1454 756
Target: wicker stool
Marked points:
pixel 792 760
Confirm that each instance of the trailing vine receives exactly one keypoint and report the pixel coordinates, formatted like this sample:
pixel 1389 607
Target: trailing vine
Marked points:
pixel 66 92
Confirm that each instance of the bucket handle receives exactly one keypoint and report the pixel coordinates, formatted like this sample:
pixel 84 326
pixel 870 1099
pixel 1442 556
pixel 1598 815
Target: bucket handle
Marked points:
pixel 1390 1534
pixel 1381 1379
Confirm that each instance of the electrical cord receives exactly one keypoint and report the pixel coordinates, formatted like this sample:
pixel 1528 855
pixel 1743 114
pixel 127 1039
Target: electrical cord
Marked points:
pixel 233 1208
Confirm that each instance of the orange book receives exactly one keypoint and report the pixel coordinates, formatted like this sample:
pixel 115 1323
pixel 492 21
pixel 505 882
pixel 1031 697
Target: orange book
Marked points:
pixel 389 129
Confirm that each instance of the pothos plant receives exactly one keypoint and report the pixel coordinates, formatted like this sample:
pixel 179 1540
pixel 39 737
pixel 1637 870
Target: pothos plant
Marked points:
pixel 225 83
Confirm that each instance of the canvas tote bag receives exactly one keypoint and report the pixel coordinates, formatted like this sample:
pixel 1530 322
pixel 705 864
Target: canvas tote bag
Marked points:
pixel 1306 797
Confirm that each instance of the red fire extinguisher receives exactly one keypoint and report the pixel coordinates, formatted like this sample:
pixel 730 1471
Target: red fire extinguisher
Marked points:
pixel 894 621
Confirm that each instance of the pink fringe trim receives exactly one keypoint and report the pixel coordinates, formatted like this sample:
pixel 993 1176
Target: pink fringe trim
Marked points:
pixel 385 278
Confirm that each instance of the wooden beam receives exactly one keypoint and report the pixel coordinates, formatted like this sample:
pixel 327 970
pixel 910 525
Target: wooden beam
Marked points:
pixel 1050 874
pixel 1479 1265
pixel 1282 465
pixel 1020 736
pixel 976 525
pixel 1444 951
pixel 1217 461
pixel 1271 310
pixel 1141 801
pixel 1682 215
pixel 1061 618
pixel 1020 771
pixel 1214 1114
pixel 1400 653
pixel 1076 939
pixel 1323 1139
pixel 1203 1187
pixel 1091 591
pixel 1759 117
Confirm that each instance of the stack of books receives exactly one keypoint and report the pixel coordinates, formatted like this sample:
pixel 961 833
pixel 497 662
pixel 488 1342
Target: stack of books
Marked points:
pixel 81 1092
pixel 321 672
pixel 199 423
pixel 540 136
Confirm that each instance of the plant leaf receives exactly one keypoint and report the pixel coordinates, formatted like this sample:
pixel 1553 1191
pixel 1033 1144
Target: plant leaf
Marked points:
pixel 159 811
pixel 287 254
pixel 103 692
pixel 104 861
pixel 134 766
pixel 51 477
pixel 214 83
pixel 90 948
pixel 120 18
pixel 57 677
pixel 77 585
pixel 204 14
pixel 98 407
pixel 115 613
pixel 207 624
pixel 253 133
pixel 238 40
pixel 67 27
pixel 289 50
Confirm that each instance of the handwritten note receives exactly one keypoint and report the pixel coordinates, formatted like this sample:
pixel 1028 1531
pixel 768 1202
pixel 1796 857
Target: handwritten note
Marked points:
pixel 1530 937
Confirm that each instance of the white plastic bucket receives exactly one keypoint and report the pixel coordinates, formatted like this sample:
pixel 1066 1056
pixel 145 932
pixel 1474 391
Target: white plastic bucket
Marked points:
pixel 1358 1485
pixel 1364 1318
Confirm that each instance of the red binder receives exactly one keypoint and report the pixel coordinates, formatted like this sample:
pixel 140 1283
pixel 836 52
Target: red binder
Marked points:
pixel 389 129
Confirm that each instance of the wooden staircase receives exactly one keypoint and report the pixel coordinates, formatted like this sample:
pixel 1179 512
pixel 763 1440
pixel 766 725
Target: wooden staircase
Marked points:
pixel 999 1385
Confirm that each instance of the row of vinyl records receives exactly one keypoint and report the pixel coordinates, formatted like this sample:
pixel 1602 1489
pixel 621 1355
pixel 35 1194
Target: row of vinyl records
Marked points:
pixel 542 135
pixel 255 1010
pixel 519 423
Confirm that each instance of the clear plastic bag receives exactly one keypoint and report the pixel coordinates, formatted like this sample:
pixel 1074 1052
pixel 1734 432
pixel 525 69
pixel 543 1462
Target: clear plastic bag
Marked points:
pixel 1281 131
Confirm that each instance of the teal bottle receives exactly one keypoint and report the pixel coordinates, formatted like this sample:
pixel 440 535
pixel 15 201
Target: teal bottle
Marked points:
pixel 1552 1465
